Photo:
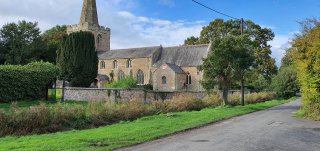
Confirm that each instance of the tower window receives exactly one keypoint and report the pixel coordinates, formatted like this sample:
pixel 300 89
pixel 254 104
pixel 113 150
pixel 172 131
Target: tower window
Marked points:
pixel 99 37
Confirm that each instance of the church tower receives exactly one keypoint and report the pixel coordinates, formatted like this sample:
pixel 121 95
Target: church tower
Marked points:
pixel 89 22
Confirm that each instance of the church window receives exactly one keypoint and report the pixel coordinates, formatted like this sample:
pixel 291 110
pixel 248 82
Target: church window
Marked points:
pixel 188 79
pixel 99 37
pixel 140 77
pixel 102 65
pixel 164 80
pixel 129 63
pixel 115 64
pixel 121 75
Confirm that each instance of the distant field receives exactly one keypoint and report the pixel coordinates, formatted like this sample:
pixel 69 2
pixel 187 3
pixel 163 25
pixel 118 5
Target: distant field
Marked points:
pixel 130 133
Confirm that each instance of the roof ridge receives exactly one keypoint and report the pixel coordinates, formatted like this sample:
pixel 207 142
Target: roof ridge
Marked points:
pixel 188 46
pixel 136 48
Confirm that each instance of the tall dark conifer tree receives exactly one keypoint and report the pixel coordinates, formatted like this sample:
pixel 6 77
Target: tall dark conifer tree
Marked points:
pixel 77 59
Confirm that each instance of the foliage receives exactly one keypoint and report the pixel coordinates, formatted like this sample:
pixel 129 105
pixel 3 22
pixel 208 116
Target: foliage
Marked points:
pixel 21 42
pixel 126 83
pixel 264 63
pixel 306 56
pixel 129 133
pixel 285 84
pixel 77 59
pixel 227 62
pixel 64 116
pixel 30 81
pixel 52 39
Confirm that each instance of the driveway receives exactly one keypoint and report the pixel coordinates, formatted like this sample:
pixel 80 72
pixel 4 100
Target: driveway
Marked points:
pixel 274 129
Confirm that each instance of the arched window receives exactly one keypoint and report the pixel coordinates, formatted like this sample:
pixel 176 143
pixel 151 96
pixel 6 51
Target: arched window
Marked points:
pixel 164 80
pixel 121 75
pixel 129 63
pixel 102 65
pixel 115 64
pixel 99 37
pixel 188 79
pixel 140 77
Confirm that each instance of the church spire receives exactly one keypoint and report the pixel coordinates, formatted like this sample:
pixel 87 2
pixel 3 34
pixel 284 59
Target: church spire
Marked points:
pixel 89 13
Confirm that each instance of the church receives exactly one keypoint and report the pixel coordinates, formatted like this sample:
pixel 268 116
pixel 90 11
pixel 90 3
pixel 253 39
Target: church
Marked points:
pixel 167 69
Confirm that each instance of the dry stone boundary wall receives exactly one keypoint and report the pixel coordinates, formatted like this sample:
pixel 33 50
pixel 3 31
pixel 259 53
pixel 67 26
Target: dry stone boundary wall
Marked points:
pixel 116 95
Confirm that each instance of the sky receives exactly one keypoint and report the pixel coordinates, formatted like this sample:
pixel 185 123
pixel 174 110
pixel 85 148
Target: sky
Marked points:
pixel 139 23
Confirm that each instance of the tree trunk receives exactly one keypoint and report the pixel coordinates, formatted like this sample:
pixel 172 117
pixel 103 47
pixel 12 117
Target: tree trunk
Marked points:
pixel 242 91
pixel 225 92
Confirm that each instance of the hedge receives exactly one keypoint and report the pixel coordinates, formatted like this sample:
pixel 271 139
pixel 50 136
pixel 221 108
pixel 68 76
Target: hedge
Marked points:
pixel 26 82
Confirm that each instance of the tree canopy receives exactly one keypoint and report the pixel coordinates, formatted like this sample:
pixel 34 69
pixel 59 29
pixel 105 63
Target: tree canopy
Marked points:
pixel 264 64
pixel 228 59
pixel 22 43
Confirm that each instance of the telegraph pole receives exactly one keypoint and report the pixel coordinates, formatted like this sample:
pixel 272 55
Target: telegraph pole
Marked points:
pixel 242 33
pixel 242 73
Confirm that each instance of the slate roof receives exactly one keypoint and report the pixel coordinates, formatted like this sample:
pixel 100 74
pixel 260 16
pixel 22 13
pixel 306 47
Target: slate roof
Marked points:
pixel 183 56
pixel 130 53
pixel 175 68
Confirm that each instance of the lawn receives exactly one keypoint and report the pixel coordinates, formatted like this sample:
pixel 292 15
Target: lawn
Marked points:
pixel 130 133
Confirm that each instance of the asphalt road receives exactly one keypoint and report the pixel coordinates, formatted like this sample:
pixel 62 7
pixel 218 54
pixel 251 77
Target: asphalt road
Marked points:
pixel 274 129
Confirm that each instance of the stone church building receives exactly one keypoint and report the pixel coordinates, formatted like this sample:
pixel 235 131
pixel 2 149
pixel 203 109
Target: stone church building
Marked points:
pixel 167 69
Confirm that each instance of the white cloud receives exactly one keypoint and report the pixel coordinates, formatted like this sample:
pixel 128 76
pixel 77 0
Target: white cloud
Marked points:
pixel 127 29
pixel 279 46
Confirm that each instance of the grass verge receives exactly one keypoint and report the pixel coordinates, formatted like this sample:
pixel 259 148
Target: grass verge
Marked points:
pixel 130 133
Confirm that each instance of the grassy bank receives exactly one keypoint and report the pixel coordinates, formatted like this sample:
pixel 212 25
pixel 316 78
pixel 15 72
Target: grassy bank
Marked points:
pixel 129 133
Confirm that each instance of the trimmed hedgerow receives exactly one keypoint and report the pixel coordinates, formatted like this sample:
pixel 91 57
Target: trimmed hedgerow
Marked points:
pixel 30 81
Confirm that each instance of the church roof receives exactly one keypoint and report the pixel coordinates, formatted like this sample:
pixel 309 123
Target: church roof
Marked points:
pixel 130 53
pixel 183 56
pixel 175 68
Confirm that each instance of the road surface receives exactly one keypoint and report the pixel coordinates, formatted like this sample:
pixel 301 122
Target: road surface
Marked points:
pixel 274 129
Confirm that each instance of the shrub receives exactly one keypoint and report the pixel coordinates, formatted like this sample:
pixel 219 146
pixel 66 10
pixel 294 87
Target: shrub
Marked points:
pixel 26 82
pixel 285 84
pixel 184 103
pixel 126 83
pixel 213 100
pixel 251 98
pixel 61 116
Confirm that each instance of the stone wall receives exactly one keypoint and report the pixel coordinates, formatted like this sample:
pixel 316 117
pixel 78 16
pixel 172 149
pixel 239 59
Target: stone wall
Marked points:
pixel 90 94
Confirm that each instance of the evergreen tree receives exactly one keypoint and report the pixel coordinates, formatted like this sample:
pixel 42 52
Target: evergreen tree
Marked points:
pixel 77 59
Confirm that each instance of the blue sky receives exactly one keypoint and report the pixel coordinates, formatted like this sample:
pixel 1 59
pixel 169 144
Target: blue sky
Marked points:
pixel 137 23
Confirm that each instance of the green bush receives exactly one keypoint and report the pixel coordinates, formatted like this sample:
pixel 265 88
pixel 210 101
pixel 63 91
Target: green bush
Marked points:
pixel 126 83
pixel 26 82
pixel 285 84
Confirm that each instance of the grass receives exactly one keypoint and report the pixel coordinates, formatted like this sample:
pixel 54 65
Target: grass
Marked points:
pixel 27 104
pixel 130 133
pixel 300 113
